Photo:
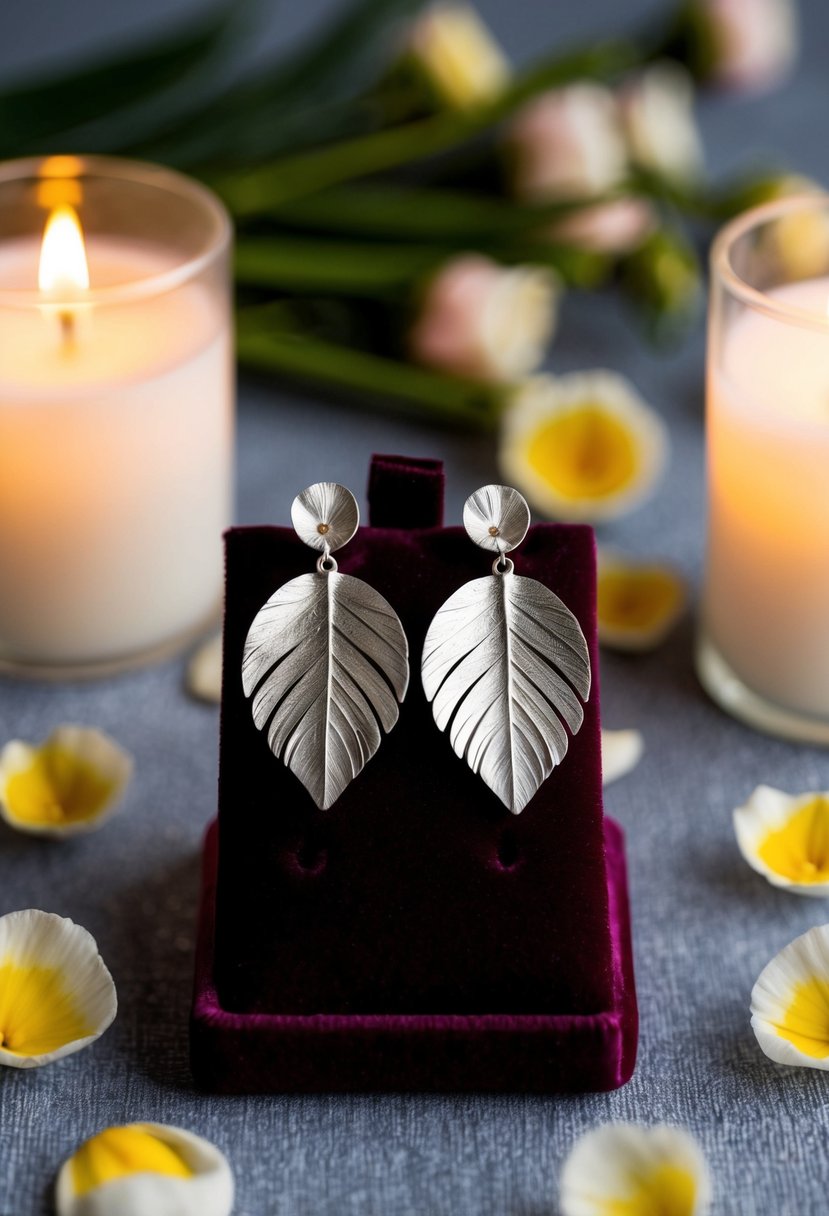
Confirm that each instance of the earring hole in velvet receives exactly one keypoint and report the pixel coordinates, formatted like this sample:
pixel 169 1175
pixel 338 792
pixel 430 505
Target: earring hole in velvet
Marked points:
pixel 311 858
pixel 508 852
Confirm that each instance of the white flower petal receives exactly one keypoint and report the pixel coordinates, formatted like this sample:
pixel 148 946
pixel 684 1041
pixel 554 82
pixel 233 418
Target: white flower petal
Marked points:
pixel 70 784
pixel 790 1003
pixel 786 839
pixel 56 994
pixel 640 1170
pixel 208 1192
pixel 621 752
pixel 204 670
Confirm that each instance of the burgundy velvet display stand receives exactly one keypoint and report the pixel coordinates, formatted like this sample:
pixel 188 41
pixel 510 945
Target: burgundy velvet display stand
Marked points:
pixel 416 936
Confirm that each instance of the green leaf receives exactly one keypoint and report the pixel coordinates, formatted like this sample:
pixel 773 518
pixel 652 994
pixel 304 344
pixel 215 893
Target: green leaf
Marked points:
pixel 257 191
pixel 370 378
pixel 35 116
pixel 309 95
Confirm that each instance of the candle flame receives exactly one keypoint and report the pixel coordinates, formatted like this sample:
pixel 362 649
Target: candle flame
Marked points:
pixel 63 269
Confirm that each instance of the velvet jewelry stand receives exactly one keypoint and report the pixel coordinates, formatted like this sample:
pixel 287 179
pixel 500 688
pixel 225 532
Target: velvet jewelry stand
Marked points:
pixel 416 936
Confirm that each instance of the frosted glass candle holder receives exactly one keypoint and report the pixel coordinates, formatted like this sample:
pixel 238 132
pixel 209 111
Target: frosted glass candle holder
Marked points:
pixel 763 650
pixel 116 412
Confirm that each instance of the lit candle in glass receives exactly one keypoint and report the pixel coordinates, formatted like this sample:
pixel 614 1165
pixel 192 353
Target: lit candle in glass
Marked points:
pixel 764 645
pixel 116 411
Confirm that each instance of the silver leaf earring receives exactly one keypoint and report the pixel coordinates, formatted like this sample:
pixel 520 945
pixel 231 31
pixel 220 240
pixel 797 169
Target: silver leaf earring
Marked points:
pixel 326 659
pixel 494 658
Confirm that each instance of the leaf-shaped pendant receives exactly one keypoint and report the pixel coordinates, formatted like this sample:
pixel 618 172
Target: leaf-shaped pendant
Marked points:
pixel 501 661
pixel 326 664
pixel 326 658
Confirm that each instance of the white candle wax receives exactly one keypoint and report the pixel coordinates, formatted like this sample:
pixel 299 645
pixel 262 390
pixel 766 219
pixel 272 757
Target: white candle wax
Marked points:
pixel 767 589
pixel 115 454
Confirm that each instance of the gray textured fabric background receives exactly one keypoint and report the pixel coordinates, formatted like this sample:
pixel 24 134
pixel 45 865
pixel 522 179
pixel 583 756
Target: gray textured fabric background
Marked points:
pixel 704 925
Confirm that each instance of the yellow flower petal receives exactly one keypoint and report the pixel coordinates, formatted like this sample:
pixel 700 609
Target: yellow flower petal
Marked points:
pixel 786 839
pixel 637 602
pixel 56 995
pixel 143 1169
pixel 119 1151
pixel 582 446
pixel 625 1170
pixel 790 1003
pixel 71 783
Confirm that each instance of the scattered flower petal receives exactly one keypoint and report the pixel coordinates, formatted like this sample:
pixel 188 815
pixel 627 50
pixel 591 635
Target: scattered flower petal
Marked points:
pixel 482 320
pixel 457 56
pixel 583 446
pixel 567 143
pixel 145 1169
pixel 657 108
pixel 56 995
pixel 621 752
pixel 204 670
pixel 625 1170
pixel 785 838
pixel 637 602
pixel 790 1003
pixel 72 783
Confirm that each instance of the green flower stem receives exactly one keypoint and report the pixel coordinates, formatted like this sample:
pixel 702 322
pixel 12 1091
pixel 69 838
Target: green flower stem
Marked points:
pixel 391 271
pixel 338 267
pixel 441 398
pixel 384 210
pixel 259 190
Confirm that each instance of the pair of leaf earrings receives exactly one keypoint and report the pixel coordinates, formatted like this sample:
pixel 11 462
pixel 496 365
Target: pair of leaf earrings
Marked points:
pixel 326 659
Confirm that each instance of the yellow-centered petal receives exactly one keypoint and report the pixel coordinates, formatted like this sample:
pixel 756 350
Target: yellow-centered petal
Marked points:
pixel 625 1170
pixel 119 1151
pixel 56 995
pixel 70 783
pixel 663 1190
pixel 785 838
pixel 584 453
pixel 144 1169
pixel 637 602
pixel 582 446
pixel 37 1012
pixel 805 1022
pixel 790 1003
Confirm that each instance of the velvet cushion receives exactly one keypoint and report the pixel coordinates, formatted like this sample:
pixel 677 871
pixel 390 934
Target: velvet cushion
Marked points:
pixel 417 893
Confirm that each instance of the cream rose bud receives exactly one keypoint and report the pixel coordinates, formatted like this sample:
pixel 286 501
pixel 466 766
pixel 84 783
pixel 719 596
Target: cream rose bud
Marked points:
pixel 485 321
pixel 748 44
pixel 457 56
pixel 657 108
pixel 567 144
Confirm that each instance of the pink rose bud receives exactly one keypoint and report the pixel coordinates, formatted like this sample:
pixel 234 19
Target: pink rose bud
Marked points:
pixel 754 41
pixel 482 320
pixel 567 144
pixel 618 226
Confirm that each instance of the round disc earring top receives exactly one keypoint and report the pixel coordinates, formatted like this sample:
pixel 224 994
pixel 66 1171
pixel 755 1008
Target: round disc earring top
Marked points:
pixel 325 516
pixel 496 518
